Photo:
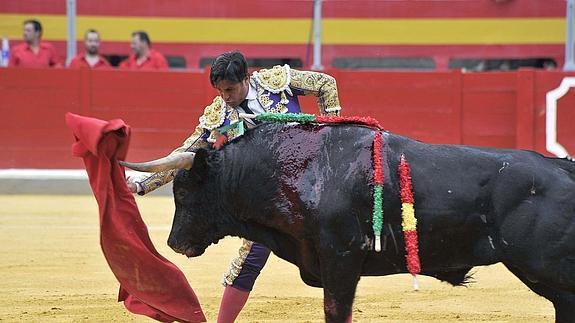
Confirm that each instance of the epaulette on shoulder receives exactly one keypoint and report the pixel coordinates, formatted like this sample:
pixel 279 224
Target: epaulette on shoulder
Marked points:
pixel 275 79
pixel 214 114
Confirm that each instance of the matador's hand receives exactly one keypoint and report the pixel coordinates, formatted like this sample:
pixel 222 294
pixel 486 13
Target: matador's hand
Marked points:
pixel 132 184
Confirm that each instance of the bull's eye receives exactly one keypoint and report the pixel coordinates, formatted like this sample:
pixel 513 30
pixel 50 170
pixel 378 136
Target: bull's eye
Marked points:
pixel 180 195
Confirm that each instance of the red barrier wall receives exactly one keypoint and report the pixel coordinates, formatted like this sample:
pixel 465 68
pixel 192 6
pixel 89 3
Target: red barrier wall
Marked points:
pixel 505 109
pixel 455 29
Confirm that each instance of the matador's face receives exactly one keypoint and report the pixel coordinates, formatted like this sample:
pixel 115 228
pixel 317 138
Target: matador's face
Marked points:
pixel 233 93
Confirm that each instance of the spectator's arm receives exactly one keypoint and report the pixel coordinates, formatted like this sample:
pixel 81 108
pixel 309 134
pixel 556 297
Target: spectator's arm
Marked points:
pixel 54 59
pixel 74 63
pixel 162 62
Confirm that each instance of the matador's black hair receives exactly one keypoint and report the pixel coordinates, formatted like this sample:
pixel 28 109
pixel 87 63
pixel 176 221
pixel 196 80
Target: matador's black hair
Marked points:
pixel 230 66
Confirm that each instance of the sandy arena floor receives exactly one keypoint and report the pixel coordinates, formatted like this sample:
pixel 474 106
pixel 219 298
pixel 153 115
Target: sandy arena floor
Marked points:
pixel 52 269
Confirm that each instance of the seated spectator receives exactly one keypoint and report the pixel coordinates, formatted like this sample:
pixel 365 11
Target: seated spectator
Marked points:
pixel 549 65
pixel 144 57
pixel 34 52
pixel 91 58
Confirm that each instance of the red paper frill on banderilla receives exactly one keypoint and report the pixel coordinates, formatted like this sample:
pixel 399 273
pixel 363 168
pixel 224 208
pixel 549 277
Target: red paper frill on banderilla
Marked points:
pixel 149 284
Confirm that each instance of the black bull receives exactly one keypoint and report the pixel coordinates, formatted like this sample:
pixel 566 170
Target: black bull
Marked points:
pixel 305 191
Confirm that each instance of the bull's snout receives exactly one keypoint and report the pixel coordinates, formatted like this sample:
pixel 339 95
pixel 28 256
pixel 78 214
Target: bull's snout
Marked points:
pixel 176 245
pixel 184 248
pixel 178 249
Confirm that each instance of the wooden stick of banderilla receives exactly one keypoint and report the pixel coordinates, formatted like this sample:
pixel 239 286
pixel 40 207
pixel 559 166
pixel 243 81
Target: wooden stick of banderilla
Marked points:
pixel 247 115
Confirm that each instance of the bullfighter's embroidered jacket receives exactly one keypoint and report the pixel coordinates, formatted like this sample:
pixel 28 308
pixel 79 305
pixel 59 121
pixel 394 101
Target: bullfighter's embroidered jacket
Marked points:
pixel 277 90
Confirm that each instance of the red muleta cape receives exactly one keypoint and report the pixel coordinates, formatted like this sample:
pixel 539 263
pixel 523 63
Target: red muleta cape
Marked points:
pixel 149 284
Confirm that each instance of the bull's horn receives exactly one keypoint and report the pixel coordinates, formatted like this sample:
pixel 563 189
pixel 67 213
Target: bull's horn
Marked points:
pixel 175 161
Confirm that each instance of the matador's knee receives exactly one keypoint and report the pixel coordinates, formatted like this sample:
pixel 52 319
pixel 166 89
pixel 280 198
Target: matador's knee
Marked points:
pixel 245 268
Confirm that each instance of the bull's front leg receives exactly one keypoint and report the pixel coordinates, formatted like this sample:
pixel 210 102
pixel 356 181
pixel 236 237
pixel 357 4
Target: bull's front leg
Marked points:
pixel 340 272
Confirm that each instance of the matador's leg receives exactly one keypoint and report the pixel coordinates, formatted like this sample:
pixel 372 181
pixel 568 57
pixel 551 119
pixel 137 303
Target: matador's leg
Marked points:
pixel 240 279
pixel 247 266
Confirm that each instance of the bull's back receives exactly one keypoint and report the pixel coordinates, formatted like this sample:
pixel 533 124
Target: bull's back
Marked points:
pixel 469 196
pixel 465 174
pixel 328 166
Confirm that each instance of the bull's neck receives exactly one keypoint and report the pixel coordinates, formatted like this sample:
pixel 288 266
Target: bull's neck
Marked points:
pixel 248 182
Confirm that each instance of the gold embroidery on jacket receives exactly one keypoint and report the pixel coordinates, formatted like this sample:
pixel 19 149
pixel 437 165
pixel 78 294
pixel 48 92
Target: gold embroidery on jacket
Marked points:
pixel 318 84
pixel 233 116
pixel 214 114
pixel 264 99
pixel 278 108
pixel 275 79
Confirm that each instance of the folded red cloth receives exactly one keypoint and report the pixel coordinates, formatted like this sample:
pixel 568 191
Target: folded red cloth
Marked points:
pixel 149 284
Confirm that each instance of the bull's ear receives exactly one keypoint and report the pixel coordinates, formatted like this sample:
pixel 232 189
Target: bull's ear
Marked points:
pixel 200 164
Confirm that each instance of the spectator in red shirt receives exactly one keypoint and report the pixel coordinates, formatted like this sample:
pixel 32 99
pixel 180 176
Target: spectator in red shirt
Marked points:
pixel 144 57
pixel 34 52
pixel 91 58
